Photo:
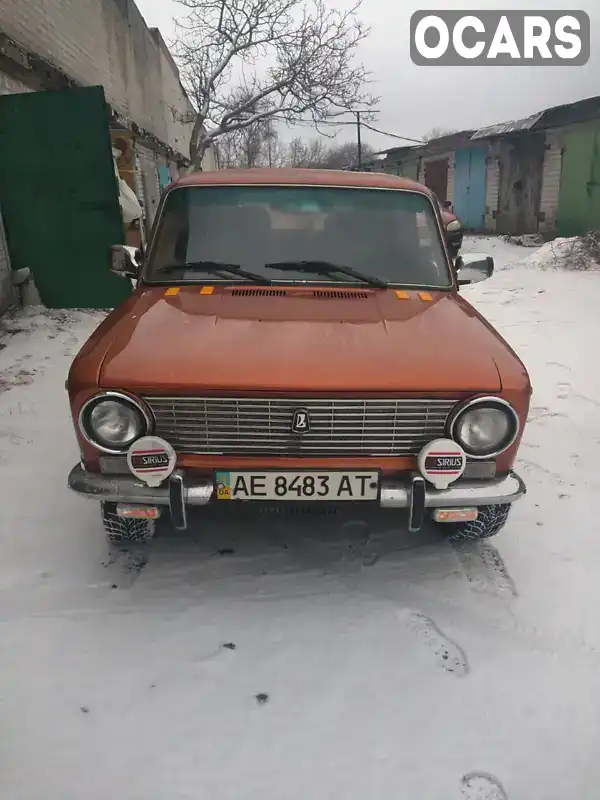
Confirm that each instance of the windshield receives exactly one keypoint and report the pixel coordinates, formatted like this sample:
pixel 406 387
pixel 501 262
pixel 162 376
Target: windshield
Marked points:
pixel 298 234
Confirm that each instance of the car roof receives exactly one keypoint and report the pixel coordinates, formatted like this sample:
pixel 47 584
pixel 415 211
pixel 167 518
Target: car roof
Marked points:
pixel 302 177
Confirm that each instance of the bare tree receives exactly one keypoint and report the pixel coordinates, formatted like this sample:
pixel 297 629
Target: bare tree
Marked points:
pixel 315 154
pixel 244 61
pixel 345 155
pixel 258 145
pixel 303 154
pixel 437 133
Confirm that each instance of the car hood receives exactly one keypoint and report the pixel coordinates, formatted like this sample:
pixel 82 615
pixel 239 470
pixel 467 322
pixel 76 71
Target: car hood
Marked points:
pixel 303 340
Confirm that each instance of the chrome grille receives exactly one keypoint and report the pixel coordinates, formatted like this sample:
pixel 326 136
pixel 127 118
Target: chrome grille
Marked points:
pixel 249 426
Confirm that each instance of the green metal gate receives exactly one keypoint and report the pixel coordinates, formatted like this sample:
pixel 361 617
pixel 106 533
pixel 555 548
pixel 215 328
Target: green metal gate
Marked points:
pixel 579 197
pixel 59 195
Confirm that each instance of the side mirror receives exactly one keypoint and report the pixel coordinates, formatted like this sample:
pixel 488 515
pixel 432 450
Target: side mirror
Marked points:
pixel 473 268
pixel 125 261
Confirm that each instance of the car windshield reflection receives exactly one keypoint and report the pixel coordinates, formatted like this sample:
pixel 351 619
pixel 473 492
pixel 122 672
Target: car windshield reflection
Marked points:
pixel 382 237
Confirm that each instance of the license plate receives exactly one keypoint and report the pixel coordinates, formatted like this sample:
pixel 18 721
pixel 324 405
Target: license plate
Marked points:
pixel 299 486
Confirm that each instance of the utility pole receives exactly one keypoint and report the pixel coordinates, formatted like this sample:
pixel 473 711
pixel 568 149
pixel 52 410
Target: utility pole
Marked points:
pixel 358 140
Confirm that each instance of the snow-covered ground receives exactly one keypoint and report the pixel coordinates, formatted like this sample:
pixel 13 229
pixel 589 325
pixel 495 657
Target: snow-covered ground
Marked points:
pixel 395 666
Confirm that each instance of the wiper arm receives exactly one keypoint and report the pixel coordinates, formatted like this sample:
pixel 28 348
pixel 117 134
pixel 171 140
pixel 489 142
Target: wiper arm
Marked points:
pixel 215 267
pixel 326 268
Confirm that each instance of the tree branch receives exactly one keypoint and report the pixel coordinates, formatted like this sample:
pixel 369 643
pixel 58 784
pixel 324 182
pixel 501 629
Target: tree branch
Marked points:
pixel 247 61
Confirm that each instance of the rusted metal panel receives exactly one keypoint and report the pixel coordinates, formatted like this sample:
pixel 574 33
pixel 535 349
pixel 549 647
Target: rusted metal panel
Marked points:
pixel 436 177
pixel 505 128
pixel 521 162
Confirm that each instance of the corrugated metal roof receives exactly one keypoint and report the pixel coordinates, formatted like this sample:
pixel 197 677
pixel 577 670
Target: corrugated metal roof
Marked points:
pixel 503 128
pixel 569 113
pixel 397 150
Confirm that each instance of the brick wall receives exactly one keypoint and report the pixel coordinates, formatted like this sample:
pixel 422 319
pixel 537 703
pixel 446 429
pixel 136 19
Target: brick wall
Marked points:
pixel 550 183
pixel 106 42
pixel 451 165
pixel 492 188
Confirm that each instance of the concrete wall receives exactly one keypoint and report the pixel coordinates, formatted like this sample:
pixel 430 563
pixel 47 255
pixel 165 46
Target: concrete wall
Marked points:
pixel 106 42
pixel 10 85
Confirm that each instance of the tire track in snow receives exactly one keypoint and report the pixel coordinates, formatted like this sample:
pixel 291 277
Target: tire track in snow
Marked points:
pixel 482 786
pixel 447 654
pixel 484 569
pixel 126 563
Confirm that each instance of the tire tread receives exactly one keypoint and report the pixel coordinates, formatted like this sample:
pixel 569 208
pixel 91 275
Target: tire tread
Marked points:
pixel 489 522
pixel 120 530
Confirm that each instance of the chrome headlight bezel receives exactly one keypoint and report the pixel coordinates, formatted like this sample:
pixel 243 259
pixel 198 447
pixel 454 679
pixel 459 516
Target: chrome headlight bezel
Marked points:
pixel 486 402
pixel 119 397
pixel 454 227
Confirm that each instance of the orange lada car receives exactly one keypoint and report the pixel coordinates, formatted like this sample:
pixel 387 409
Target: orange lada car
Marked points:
pixel 297 337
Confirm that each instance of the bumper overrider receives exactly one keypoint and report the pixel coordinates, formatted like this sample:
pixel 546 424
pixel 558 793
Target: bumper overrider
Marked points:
pixel 181 490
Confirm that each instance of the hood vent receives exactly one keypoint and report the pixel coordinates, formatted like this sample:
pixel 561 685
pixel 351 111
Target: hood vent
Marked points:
pixel 323 294
pixel 337 294
pixel 258 292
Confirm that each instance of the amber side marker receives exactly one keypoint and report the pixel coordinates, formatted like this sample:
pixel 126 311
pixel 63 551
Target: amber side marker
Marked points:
pixel 455 514
pixel 401 295
pixel 172 291
pixel 207 290
pixel 137 512
pixel 426 296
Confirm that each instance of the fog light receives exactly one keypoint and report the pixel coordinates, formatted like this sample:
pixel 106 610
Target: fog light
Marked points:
pixel 455 514
pixel 138 512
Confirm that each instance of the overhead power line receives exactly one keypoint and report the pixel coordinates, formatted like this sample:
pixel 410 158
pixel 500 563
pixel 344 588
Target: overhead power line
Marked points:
pixel 392 135
pixel 365 125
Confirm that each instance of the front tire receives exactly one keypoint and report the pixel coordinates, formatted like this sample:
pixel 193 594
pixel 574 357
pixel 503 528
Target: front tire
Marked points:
pixel 490 521
pixel 125 531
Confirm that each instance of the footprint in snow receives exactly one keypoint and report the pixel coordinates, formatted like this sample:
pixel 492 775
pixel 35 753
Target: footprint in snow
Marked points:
pixel 482 786
pixel 559 365
pixel 447 653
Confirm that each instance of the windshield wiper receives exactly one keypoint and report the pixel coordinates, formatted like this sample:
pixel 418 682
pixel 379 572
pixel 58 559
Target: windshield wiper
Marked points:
pixel 215 267
pixel 326 268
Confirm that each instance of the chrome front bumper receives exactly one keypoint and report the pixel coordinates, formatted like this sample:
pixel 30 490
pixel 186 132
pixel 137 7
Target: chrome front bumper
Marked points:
pixel 180 491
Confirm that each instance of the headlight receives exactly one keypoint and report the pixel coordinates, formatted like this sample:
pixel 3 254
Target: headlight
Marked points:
pixel 454 226
pixel 485 427
pixel 112 422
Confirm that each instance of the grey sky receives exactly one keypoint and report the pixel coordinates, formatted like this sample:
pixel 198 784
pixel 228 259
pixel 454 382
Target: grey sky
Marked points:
pixel 416 99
